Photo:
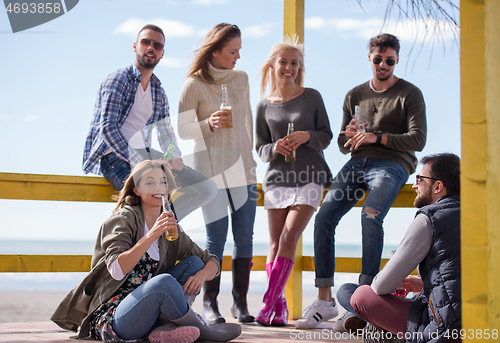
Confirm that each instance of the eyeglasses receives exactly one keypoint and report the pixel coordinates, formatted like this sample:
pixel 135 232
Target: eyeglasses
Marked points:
pixel 145 42
pixel 420 177
pixel 390 61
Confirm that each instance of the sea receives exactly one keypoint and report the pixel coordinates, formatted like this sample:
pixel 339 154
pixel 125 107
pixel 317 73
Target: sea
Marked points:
pixel 64 282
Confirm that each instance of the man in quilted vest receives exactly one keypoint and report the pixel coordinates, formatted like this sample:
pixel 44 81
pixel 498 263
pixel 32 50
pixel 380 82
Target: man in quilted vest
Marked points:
pixel 431 243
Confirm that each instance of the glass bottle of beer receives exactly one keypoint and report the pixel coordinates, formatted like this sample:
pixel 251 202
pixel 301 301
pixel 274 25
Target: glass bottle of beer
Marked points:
pixel 357 115
pixel 225 106
pixel 291 156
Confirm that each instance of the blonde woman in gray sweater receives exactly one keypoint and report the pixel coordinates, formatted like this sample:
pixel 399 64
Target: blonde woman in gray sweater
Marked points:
pixel 223 154
pixel 292 190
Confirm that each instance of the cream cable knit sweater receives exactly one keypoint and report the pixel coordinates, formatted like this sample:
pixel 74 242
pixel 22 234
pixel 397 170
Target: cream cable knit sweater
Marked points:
pixel 224 155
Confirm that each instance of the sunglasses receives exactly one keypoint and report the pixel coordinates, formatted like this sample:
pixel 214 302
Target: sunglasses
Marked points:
pixel 390 61
pixel 158 46
pixel 420 177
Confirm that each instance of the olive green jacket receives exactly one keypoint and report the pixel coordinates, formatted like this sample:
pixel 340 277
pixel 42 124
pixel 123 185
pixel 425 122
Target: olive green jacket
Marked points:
pixel 118 234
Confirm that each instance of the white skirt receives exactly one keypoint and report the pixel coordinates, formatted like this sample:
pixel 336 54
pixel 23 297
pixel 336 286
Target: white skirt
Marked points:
pixel 283 197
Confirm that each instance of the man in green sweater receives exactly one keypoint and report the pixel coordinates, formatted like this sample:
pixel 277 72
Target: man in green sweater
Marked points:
pixel 382 142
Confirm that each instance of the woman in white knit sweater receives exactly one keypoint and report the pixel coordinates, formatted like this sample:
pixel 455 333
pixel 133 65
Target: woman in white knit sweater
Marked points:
pixel 224 155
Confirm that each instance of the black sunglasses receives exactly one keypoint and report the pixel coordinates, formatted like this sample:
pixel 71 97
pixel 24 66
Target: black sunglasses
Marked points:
pixel 146 42
pixel 420 177
pixel 390 61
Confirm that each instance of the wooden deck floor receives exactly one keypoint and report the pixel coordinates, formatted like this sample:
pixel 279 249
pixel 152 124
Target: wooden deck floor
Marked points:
pixel 46 332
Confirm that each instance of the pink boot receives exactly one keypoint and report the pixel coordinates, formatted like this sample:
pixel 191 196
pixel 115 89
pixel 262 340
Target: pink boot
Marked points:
pixel 281 270
pixel 280 312
pixel 281 309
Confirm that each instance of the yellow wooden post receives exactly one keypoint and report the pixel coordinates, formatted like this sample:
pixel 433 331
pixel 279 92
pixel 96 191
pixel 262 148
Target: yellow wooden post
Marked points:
pixel 480 101
pixel 294 24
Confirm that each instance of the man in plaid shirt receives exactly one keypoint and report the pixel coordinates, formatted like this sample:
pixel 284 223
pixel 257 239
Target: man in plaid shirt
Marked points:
pixel 130 104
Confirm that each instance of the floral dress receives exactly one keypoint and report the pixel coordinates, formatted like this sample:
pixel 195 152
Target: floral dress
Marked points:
pixel 102 317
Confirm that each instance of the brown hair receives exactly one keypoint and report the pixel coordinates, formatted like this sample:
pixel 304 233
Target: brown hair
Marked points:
pixel 154 28
pixel 384 41
pixel 266 72
pixel 127 195
pixel 216 39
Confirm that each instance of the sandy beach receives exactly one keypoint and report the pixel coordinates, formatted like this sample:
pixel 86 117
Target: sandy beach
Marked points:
pixel 30 306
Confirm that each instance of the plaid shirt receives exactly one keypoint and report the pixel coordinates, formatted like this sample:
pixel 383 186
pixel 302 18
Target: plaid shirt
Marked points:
pixel 114 102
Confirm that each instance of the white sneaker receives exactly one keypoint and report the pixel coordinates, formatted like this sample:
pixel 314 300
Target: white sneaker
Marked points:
pixel 316 314
pixel 349 322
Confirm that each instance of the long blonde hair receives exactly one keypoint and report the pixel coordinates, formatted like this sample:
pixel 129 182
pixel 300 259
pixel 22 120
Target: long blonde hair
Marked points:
pixel 266 72
pixel 215 40
pixel 127 195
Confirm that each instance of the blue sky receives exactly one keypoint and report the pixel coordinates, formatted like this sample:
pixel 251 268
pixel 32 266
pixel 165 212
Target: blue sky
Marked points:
pixel 51 74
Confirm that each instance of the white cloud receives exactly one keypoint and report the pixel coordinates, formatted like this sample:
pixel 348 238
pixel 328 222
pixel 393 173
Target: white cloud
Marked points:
pixel 314 23
pixel 171 28
pixel 406 30
pixel 30 117
pixel 209 2
pixel 171 62
pixel 256 31
pixel 5 117
pixel 421 30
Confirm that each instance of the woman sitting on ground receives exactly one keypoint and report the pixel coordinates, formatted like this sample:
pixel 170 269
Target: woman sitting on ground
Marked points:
pixel 135 288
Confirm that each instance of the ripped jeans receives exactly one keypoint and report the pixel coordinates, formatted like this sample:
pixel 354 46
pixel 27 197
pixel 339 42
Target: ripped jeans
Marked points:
pixel 383 179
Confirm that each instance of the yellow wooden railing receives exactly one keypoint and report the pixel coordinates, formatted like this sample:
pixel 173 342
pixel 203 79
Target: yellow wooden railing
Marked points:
pixel 97 189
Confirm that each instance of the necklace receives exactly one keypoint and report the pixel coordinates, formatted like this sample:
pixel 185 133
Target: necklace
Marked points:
pixel 375 109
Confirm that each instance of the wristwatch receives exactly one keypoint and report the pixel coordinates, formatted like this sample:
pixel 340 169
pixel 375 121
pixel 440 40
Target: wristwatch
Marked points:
pixel 379 136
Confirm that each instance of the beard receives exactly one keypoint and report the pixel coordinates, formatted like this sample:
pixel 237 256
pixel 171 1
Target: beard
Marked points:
pixel 147 65
pixel 423 199
pixel 384 78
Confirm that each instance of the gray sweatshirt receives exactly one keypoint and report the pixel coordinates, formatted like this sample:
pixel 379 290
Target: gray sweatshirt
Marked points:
pixel 308 113
pixel 415 245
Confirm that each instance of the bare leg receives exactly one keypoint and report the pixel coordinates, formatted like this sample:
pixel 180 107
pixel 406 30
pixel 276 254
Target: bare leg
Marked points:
pixel 325 293
pixel 276 219
pixel 296 221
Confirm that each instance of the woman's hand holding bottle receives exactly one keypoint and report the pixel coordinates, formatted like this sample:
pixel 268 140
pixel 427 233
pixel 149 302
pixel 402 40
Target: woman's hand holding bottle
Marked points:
pixel 166 221
pixel 219 120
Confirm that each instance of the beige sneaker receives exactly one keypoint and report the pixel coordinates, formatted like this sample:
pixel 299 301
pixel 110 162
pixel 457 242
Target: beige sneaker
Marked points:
pixel 349 322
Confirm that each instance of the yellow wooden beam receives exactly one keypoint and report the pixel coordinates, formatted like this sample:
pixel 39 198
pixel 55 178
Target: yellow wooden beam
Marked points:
pixel 293 19
pixel 492 52
pixel 293 23
pixel 473 169
pixel 480 100
pixel 97 189
pixel 81 263
pixel 44 263
pixel 55 187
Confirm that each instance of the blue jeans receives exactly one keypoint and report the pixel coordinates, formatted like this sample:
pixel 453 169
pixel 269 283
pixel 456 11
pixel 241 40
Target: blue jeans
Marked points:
pixel 137 314
pixel 242 203
pixel 383 179
pixel 344 295
pixel 115 170
pixel 196 189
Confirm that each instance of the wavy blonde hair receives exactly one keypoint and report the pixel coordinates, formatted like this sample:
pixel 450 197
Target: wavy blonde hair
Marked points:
pixel 127 195
pixel 215 40
pixel 266 72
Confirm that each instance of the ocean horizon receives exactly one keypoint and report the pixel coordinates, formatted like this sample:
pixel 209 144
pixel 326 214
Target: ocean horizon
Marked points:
pixel 64 282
